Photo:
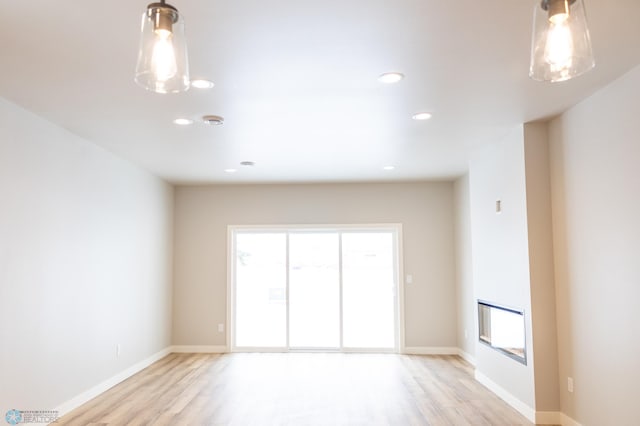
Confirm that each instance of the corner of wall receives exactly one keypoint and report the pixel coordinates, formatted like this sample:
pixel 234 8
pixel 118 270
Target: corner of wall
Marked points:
pixel 465 302
pixel 541 267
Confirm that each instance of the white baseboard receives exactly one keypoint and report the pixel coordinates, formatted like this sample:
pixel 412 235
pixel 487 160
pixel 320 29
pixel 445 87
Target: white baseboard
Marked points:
pixel 537 417
pixel 428 350
pixel 467 357
pixel 548 418
pixel 89 394
pixel 196 349
pixel 554 418
pixel 568 421
pixel 505 395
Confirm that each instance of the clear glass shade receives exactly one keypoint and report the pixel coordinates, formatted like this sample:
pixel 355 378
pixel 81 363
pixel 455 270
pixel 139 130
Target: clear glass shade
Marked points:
pixel 561 46
pixel 162 66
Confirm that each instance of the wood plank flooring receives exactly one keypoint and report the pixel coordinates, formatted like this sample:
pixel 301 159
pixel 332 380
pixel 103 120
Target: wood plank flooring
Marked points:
pixel 299 389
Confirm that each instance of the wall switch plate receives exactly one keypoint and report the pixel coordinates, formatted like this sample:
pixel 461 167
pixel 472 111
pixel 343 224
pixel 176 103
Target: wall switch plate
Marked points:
pixel 466 335
pixel 118 350
pixel 220 328
pixel 409 279
pixel 570 384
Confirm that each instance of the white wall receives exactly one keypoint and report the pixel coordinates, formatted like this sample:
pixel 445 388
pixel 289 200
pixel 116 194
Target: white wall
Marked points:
pixel 500 253
pixel 466 303
pixel 202 215
pixel 512 256
pixel 85 263
pixel 596 219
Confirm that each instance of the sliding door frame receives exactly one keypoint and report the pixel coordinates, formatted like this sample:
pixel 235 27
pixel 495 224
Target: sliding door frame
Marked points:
pixel 394 228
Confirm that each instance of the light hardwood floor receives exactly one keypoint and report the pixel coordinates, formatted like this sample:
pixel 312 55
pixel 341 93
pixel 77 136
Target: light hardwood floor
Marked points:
pixel 299 389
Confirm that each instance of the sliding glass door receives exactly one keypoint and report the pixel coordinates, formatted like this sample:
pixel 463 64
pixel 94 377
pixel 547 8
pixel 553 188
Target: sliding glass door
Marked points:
pixel 314 289
pixel 368 290
pixel 261 290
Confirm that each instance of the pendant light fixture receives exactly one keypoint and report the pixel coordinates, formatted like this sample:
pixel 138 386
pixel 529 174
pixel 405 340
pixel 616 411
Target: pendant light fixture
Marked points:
pixel 162 60
pixel 561 46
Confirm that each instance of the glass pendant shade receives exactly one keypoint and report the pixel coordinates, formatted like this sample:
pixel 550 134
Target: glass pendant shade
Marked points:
pixel 561 46
pixel 162 60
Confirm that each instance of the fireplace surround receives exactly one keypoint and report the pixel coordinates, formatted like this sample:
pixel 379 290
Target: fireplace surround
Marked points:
pixel 502 328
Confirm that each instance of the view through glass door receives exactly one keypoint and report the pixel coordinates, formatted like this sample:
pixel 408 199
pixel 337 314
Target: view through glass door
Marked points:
pixel 314 289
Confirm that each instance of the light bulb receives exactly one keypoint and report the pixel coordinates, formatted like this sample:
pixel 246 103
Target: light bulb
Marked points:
pixel 163 60
pixel 162 65
pixel 561 46
pixel 558 51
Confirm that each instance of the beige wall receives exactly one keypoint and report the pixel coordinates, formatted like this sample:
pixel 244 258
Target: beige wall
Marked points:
pixel 596 219
pixel 85 263
pixel 202 215
pixel 541 268
pixel 466 303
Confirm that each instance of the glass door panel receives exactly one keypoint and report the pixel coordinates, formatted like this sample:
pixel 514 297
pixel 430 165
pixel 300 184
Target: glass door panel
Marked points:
pixel 368 290
pixel 314 290
pixel 261 290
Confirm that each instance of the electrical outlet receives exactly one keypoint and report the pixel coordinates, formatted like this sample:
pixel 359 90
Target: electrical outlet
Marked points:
pixel 570 384
pixel 118 349
pixel 220 328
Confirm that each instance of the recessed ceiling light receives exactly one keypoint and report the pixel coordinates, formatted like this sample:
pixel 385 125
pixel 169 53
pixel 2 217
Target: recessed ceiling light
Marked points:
pixel 388 168
pixel 390 77
pixel 248 163
pixel 183 121
pixel 422 116
pixel 213 120
pixel 202 84
pixel 230 170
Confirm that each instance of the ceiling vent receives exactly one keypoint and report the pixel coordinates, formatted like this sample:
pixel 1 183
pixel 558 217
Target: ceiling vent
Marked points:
pixel 213 120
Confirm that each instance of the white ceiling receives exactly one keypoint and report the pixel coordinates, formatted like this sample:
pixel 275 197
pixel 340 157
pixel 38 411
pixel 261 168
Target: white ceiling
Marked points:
pixel 296 82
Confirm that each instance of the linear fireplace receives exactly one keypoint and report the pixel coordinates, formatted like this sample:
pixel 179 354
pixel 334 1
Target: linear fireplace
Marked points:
pixel 502 329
